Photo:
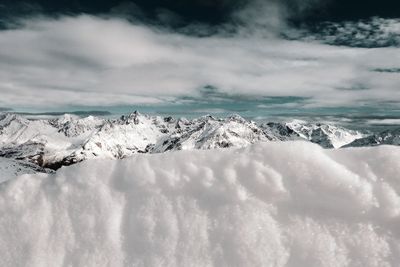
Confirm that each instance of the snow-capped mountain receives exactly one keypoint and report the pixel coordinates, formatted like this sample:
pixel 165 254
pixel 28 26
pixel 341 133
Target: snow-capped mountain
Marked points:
pixel 72 125
pixel 326 135
pixel 36 140
pixel 208 132
pixel 388 137
pixel 52 143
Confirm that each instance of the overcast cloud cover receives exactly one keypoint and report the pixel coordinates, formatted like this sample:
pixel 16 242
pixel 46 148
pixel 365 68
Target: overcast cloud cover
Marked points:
pixel 108 60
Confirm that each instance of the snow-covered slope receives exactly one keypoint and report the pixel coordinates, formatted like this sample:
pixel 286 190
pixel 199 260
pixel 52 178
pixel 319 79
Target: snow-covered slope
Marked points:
pixel 72 125
pixel 271 204
pixel 388 137
pixel 10 168
pixel 208 132
pixel 121 138
pixel 328 136
pixel 70 139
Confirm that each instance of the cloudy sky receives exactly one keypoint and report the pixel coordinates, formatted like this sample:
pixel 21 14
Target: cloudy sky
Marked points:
pixel 315 53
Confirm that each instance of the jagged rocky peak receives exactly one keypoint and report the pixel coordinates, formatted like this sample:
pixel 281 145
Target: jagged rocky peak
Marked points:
pixel 73 125
pixel 208 132
pixel 7 118
pixel 169 119
pixel 211 119
pixel 238 118
pixel 133 117
pixel 66 118
pixel 279 130
pixel 326 135
pixel 182 123
pixel 387 137
pixel 63 120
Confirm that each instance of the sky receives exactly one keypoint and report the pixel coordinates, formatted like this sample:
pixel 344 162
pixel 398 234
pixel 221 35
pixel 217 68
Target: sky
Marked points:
pixel 229 55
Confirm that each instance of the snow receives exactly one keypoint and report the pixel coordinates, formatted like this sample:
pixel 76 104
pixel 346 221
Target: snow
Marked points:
pixel 63 141
pixel 10 168
pixel 269 204
pixel 326 135
pixel 72 125
pixel 387 137
pixel 208 132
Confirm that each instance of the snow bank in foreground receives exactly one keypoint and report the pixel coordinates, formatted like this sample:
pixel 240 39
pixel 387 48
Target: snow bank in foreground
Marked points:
pixel 272 204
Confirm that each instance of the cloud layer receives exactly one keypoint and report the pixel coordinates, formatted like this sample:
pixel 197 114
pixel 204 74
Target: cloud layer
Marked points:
pixel 87 60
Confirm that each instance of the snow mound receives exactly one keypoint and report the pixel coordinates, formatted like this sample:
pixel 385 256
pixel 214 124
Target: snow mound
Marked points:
pixel 271 204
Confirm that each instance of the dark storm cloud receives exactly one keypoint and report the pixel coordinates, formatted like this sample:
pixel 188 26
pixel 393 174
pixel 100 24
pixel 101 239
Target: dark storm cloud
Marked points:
pixel 372 33
pixel 339 10
pixel 206 11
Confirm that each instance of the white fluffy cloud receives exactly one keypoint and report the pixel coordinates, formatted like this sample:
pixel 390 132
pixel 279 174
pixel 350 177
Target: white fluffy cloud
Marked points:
pixel 88 60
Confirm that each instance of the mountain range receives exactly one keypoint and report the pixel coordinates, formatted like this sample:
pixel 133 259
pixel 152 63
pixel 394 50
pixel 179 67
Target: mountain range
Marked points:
pixel 45 145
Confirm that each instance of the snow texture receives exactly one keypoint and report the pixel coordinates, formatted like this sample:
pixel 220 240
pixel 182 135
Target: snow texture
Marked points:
pixel 270 204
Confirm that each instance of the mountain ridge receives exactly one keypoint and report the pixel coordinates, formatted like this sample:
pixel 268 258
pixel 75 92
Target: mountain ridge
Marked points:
pixel 68 139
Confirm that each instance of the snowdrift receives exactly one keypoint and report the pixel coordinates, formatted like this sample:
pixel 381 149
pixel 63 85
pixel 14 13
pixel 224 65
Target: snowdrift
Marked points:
pixel 271 204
